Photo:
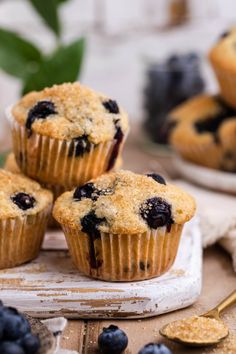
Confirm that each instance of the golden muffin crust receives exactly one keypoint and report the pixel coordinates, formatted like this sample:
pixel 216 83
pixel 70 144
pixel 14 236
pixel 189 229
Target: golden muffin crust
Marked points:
pixel 10 164
pixel 121 201
pixel 203 132
pixel 76 111
pixel 223 53
pixel 13 184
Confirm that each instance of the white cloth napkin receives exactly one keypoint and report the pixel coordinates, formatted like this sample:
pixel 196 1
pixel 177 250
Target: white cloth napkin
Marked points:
pixel 57 326
pixel 217 213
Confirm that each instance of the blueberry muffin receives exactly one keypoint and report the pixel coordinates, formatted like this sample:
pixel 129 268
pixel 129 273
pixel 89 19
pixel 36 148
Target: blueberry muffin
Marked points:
pixel 24 211
pixel 203 131
pixel 67 134
pixel 124 226
pixel 223 59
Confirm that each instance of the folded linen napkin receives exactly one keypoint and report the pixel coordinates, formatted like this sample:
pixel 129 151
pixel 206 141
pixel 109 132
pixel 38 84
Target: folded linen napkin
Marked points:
pixel 56 326
pixel 217 214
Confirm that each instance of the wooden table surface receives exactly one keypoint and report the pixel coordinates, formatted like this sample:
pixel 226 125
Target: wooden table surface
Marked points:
pixel 218 281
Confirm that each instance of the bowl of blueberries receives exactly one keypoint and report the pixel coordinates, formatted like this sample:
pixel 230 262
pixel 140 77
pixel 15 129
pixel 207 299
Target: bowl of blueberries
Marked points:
pixel 168 84
pixel 21 334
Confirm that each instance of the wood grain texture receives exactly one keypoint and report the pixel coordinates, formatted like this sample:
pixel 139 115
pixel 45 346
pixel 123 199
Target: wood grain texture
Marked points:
pixel 219 280
pixel 73 336
pixel 51 286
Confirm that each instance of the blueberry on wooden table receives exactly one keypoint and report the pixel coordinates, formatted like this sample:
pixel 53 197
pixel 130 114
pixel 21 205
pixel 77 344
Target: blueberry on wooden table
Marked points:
pixel 112 340
pixel 30 343
pixel 11 348
pixel 152 348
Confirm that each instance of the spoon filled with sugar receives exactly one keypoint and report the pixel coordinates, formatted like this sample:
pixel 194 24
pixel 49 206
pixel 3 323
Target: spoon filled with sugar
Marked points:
pixel 203 330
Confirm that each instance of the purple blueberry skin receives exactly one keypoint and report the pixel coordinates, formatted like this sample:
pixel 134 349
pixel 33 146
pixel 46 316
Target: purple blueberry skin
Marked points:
pixel 152 348
pixel 112 340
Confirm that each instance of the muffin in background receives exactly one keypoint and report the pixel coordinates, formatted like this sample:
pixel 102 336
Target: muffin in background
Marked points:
pixel 67 134
pixel 223 59
pixel 124 226
pixel 203 131
pixel 24 211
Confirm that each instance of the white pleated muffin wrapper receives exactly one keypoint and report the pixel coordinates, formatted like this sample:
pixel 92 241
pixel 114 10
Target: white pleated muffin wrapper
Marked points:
pixel 124 257
pixel 21 238
pixel 47 159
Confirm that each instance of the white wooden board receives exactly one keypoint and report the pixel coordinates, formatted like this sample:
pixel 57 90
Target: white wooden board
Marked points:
pixel 51 286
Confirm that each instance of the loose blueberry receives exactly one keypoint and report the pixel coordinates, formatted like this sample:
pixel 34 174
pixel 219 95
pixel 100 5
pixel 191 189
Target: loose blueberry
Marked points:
pixel 24 201
pixel 111 106
pixel 157 178
pixel 157 213
pixel 41 110
pixel 112 340
pixel 85 191
pixel 152 348
pixel 10 348
pixel 79 146
pixel 30 343
pixel 224 34
pixel 15 326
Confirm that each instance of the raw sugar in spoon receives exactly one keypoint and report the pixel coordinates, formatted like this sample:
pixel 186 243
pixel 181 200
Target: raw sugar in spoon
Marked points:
pixel 203 330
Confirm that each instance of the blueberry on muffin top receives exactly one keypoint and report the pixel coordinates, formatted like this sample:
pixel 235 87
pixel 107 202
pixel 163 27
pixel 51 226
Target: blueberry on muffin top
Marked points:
pixel 200 118
pixel 123 202
pixel 21 196
pixel 71 112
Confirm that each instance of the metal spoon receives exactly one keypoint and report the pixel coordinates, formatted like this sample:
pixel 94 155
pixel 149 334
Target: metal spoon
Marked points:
pixel 212 314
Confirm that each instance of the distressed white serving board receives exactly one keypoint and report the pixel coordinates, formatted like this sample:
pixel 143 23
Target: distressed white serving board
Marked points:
pixel 51 286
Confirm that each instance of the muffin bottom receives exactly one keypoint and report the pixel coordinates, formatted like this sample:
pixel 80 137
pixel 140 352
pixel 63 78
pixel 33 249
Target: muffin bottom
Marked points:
pixel 124 257
pixel 21 238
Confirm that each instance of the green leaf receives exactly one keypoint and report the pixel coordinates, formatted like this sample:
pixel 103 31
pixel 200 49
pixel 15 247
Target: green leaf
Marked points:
pixel 62 66
pixel 48 10
pixel 18 56
pixel 3 158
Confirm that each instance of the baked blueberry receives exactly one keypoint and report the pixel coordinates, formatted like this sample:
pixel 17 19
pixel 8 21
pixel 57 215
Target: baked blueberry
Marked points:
pixel 30 343
pixel 90 191
pixel 152 348
pixel 11 348
pixel 119 135
pixel 157 178
pixel 111 106
pixel 79 146
pixel 23 200
pixel 90 223
pixel 85 191
pixel 41 110
pixel 157 213
pixel 224 34
pixel 112 340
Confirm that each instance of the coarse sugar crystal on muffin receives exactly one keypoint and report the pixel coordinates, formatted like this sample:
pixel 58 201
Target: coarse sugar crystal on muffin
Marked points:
pixel 223 59
pixel 67 134
pixel 124 226
pixel 203 132
pixel 24 211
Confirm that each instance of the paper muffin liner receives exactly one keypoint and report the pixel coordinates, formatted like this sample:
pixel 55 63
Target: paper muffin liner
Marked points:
pixel 21 238
pixel 48 160
pixel 208 155
pixel 227 82
pixel 124 257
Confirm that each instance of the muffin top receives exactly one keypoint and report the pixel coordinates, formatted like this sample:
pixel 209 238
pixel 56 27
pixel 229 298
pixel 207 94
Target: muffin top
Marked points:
pixel 200 119
pixel 224 51
pixel 11 164
pixel 71 111
pixel 124 202
pixel 21 196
